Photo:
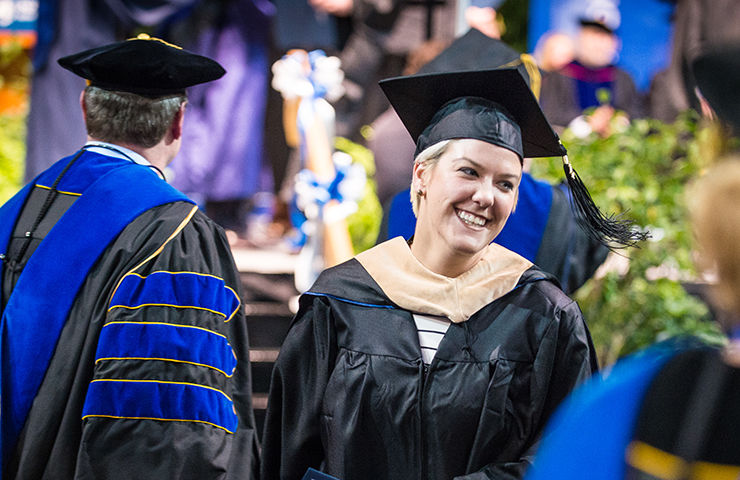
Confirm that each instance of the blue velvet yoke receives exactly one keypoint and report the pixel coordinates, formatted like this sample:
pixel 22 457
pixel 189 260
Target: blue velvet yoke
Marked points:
pixel 113 192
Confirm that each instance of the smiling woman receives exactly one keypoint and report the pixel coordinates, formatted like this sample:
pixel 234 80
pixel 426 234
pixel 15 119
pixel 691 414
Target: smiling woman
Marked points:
pixel 468 194
pixel 442 357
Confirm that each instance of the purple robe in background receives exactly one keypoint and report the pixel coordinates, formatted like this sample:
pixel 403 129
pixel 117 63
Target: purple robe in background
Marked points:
pixel 222 149
pixel 55 124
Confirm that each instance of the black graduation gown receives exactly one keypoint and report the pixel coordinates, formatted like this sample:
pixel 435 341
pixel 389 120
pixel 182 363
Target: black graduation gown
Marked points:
pixel 566 250
pixel 350 394
pixel 118 437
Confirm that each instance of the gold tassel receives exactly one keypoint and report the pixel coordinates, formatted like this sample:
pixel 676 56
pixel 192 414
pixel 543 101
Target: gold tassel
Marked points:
pixel 535 78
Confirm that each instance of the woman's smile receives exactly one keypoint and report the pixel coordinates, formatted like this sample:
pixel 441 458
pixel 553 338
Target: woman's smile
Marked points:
pixel 471 219
pixel 468 194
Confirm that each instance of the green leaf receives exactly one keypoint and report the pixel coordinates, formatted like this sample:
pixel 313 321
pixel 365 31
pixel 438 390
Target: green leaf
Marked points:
pixel 642 173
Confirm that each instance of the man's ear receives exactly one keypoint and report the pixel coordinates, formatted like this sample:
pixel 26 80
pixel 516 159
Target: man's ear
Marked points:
pixel 82 104
pixel 177 122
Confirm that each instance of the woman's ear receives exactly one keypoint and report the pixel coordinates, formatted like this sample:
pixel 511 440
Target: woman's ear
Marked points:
pixel 419 176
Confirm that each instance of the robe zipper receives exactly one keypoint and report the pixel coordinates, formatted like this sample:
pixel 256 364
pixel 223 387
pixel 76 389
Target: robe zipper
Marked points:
pixel 422 443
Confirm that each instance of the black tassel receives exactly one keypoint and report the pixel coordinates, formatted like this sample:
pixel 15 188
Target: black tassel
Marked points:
pixel 610 230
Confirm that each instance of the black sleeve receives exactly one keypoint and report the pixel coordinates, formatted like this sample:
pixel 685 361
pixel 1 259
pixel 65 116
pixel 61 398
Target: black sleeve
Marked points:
pixel 574 360
pixel 291 438
pixel 171 391
pixel 566 250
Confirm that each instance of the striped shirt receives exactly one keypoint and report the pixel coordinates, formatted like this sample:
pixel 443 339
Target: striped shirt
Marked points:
pixel 431 330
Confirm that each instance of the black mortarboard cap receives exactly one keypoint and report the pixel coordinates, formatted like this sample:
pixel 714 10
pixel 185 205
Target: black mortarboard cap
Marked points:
pixel 143 65
pixel 418 98
pixel 495 106
pixel 475 51
pixel 717 74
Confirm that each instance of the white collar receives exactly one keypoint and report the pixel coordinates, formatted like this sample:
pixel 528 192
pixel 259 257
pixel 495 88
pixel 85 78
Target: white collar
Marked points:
pixel 116 151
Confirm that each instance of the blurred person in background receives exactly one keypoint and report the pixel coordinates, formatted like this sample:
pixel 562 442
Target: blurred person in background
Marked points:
pixel 222 165
pixel 383 34
pixel 590 91
pixel 671 411
pixel 64 27
pixel 698 25
pixel 554 51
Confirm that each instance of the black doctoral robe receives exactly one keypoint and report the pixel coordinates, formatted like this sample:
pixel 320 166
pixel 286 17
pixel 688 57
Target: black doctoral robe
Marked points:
pixel 350 394
pixel 149 377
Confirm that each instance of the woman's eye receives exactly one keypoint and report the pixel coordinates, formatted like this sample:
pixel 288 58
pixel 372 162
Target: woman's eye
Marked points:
pixel 507 185
pixel 469 171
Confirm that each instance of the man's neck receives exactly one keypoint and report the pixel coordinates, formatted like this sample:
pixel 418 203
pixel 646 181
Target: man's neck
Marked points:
pixel 159 155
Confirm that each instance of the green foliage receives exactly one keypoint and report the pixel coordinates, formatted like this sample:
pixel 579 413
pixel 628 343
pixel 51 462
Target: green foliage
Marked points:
pixel 12 153
pixel 14 73
pixel 364 224
pixel 641 173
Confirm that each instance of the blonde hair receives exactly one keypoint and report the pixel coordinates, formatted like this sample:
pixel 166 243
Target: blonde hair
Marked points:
pixel 713 205
pixel 429 156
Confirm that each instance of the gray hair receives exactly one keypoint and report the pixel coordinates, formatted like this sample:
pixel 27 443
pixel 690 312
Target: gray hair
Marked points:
pixel 127 118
